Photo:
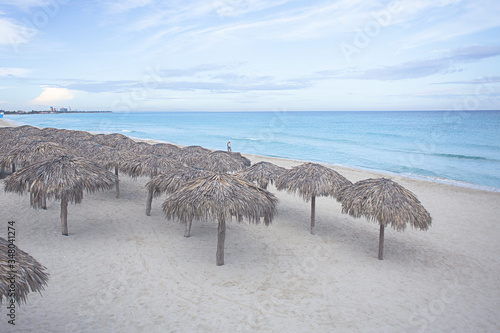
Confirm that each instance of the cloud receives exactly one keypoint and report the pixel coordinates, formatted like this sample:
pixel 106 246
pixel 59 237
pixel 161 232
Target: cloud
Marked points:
pixel 248 84
pixel 192 71
pixel 207 77
pixel 459 19
pixel 448 63
pixel 240 7
pixel 24 4
pixel 52 94
pixel 484 80
pixel 126 5
pixel 13 71
pixel 12 33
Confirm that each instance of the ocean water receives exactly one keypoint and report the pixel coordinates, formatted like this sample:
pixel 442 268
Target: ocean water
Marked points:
pixel 461 148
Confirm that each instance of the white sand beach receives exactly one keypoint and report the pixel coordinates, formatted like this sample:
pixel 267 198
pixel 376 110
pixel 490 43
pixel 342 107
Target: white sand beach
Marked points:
pixel 6 123
pixel 122 271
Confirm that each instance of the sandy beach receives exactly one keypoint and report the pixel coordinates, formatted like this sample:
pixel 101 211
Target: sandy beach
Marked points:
pixel 122 271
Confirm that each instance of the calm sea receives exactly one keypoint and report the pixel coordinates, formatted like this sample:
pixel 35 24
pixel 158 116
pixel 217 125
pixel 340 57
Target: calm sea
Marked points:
pixel 462 148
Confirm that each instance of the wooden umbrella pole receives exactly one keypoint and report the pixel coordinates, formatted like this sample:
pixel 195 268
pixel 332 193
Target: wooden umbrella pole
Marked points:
pixel 381 243
pixel 149 202
pixel 187 231
pixel 313 213
pixel 117 183
pixel 221 237
pixel 44 201
pixel 64 215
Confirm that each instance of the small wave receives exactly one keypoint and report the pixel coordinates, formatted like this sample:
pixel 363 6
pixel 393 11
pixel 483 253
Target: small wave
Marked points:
pixel 249 139
pixel 127 131
pixel 464 157
pixel 459 183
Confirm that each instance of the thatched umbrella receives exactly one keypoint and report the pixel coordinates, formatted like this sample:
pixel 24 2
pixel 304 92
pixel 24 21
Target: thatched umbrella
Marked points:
pixel 27 130
pixel 218 197
pixel 63 178
pixel 166 149
pixel 142 147
pixel 170 181
pixel 311 180
pixel 19 274
pixel 109 158
pixel 23 155
pixel 191 154
pixel 221 161
pixel 386 202
pixel 262 173
pixel 148 165
pixel 114 140
pixel 72 138
pixel 17 141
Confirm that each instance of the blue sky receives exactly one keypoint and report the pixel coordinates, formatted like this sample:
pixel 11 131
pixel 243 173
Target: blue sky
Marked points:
pixel 250 55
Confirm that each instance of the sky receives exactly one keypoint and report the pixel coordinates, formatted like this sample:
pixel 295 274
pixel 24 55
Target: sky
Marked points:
pixel 250 55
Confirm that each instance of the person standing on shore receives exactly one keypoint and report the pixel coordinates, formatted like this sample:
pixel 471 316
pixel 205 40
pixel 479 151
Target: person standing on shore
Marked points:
pixel 229 147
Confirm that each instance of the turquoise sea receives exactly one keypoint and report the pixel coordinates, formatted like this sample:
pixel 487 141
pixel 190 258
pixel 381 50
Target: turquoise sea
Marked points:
pixel 461 148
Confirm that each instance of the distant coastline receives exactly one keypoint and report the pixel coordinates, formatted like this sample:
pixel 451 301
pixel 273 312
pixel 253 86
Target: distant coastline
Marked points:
pixel 50 112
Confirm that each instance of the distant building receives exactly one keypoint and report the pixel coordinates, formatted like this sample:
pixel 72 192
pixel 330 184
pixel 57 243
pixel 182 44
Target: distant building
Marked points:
pixel 52 109
pixel 63 109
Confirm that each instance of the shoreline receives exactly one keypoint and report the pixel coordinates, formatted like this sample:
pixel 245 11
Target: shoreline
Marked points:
pixel 348 169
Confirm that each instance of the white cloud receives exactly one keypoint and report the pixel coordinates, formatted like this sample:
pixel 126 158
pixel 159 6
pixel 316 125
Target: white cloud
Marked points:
pixel 27 3
pixel 13 33
pixel 13 71
pixel 51 94
pixel 126 5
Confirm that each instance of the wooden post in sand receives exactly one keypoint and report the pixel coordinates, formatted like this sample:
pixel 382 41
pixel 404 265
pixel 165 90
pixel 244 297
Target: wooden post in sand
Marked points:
pixel 313 213
pixel 117 183
pixel 381 243
pixel 221 237
pixel 149 202
pixel 187 231
pixel 64 215
pixel 44 201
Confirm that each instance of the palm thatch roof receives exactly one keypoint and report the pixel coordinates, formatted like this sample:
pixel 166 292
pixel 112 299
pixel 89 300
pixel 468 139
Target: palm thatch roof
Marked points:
pixel 27 130
pixel 114 140
pixel 109 158
pixel 174 179
pixel 221 161
pixel 195 150
pixel 23 155
pixel 385 202
pixel 171 181
pixel 243 159
pixel 191 154
pixel 166 149
pixel 142 147
pixel 311 180
pixel 74 137
pixel 17 140
pixel 63 178
pixel 50 131
pixel 148 165
pixel 27 274
pixel 220 196
pixel 262 173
